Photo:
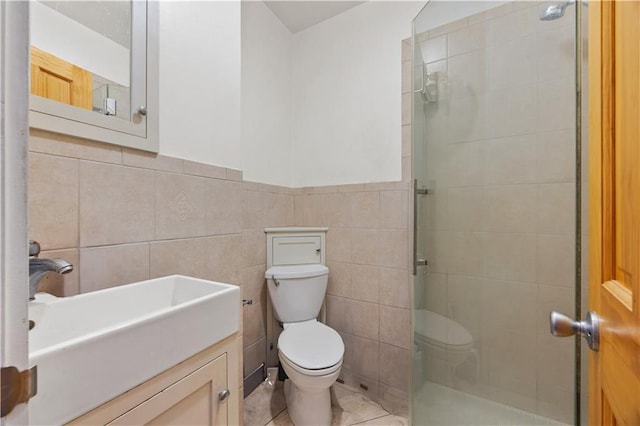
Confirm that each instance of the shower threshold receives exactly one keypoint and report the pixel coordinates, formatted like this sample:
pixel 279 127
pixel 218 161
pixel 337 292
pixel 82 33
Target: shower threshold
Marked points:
pixel 440 405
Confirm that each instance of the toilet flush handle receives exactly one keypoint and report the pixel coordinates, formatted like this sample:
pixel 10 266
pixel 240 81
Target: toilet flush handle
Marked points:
pixel 275 281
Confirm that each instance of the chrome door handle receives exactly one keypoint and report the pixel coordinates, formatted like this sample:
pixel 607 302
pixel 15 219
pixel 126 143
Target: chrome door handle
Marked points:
pixel 421 262
pixel 563 326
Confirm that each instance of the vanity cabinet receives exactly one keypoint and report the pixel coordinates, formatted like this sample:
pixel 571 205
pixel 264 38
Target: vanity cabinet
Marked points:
pixel 192 392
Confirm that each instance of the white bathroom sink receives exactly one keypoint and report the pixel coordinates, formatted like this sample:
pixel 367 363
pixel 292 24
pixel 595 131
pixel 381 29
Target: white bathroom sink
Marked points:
pixel 92 347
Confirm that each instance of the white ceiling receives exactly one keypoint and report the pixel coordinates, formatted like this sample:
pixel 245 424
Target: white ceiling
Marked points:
pixel 301 14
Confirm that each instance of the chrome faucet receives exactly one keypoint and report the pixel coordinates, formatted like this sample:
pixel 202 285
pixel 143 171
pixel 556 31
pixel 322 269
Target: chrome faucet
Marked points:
pixel 39 267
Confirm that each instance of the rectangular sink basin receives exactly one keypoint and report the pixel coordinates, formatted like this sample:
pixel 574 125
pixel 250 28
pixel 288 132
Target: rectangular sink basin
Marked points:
pixel 95 346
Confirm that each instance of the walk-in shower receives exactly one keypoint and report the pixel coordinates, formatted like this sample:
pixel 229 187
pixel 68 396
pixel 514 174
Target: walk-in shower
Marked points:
pixel 497 176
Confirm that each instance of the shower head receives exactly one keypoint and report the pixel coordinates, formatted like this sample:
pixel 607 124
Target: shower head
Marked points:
pixel 555 11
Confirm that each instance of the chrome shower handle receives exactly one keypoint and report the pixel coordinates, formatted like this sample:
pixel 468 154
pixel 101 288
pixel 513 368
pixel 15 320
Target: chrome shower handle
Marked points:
pixel 414 257
pixel 416 191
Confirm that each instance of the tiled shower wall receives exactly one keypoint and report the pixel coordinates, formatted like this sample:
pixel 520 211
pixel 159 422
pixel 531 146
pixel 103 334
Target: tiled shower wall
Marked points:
pixel 501 166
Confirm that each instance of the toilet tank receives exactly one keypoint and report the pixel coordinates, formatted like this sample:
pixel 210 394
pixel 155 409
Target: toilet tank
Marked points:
pixel 295 246
pixel 296 274
pixel 297 291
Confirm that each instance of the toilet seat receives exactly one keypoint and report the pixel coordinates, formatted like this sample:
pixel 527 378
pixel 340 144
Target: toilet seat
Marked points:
pixel 442 332
pixel 306 372
pixel 311 347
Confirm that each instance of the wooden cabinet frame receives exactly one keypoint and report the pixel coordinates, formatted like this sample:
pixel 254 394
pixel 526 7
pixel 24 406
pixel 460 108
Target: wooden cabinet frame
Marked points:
pixel 228 351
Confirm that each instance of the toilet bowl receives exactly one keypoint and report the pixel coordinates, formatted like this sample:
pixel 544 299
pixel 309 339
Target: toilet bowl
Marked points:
pixel 311 355
pixel 309 352
pixel 442 338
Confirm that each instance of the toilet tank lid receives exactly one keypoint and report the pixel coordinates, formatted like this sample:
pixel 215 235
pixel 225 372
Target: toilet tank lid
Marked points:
pixel 296 271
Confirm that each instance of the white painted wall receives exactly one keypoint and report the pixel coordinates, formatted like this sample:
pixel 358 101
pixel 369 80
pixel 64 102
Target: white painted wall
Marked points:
pixel 200 78
pixel 347 93
pixel 267 47
pixel 320 107
pixel 65 38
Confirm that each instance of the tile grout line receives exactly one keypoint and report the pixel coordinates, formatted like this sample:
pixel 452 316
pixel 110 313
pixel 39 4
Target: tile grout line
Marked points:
pixel 368 420
pixel 274 417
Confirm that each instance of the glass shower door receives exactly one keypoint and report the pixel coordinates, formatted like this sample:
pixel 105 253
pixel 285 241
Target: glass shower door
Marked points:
pixel 494 167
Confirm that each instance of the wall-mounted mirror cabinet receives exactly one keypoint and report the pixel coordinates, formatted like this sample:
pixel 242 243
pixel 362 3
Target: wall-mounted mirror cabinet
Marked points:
pixel 94 70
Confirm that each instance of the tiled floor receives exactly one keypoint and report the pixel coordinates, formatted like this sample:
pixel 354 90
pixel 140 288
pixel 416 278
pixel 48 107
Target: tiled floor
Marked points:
pixel 266 406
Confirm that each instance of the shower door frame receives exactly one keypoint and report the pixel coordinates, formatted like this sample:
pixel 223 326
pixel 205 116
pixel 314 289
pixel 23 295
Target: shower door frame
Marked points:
pixel 580 384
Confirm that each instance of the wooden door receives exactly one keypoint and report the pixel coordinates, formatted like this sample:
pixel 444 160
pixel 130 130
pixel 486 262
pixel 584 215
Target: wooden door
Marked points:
pixel 614 210
pixel 61 81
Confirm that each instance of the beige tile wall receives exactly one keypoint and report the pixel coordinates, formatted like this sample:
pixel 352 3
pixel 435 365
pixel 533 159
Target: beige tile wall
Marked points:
pixel 121 215
pixel 368 300
pixel 501 166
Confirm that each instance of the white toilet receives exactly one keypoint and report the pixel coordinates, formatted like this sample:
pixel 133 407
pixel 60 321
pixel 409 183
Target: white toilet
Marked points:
pixel 444 339
pixel 309 351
